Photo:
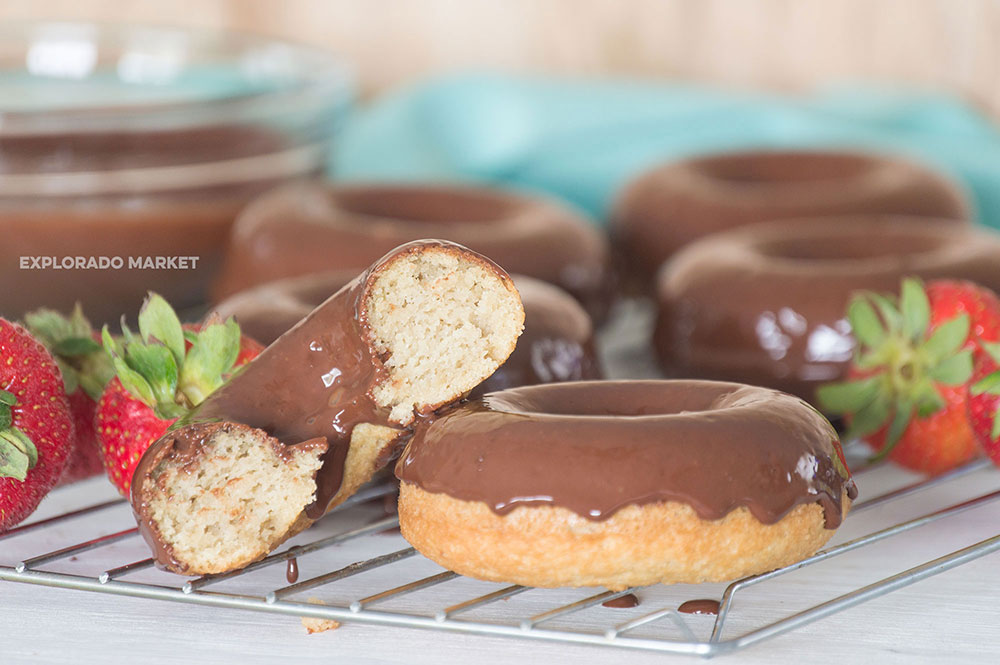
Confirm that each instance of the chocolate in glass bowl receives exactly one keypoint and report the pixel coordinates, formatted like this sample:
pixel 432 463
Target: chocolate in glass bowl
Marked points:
pixel 143 144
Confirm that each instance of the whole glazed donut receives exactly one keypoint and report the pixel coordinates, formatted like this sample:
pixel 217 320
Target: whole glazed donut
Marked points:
pixel 623 483
pixel 316 227
pixel 766 305
pixel 557 343
pixel 672 205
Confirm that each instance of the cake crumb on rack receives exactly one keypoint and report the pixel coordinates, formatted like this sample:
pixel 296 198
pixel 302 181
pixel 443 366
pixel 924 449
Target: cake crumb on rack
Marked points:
pixel 314 625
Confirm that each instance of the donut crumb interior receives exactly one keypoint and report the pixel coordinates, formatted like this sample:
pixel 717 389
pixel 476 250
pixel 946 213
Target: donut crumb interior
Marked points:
pixel 239 495
pixel 435 309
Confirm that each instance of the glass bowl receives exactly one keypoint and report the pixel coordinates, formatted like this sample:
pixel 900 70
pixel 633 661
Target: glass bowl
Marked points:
pixel 126 152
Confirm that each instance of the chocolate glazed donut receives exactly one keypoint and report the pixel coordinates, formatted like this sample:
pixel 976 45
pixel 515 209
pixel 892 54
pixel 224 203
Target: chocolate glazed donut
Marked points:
pixel 621 483
pixel 672 205
pixel 305 228
pixel 556 345
pixel 766 305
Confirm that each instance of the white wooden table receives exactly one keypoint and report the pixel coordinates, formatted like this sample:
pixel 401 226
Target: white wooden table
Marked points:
pixel 953 617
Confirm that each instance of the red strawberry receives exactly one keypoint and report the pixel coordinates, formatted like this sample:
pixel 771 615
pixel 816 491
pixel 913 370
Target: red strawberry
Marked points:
pixel 86 369
pixel 907 395
pixel 950 298
pixel 36 433
pixel 984 399
pixel 161 373
pixel 127 426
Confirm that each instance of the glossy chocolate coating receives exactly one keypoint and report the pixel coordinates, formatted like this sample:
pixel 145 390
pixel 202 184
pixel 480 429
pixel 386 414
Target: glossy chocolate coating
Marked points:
pixel 556 345
pixel 675 204
pixel 595 447
pixel 766 305
pixel 312 228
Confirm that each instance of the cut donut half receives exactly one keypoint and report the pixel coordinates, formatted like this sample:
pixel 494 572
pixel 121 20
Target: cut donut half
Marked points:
pixel 226 487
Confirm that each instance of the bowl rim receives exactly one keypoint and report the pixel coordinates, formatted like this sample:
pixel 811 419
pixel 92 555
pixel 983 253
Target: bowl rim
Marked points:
pixel 323 79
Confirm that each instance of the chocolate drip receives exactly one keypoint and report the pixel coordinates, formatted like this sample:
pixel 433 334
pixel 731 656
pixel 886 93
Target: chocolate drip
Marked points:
pixel 292 571
pixel 622 602
pixel 700 606
pixel 596 447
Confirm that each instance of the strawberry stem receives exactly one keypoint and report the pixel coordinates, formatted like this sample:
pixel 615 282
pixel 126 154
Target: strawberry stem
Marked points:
pixel 903 362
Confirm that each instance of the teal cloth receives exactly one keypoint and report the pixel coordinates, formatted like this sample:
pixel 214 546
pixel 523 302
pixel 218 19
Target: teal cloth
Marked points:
pixel 583 139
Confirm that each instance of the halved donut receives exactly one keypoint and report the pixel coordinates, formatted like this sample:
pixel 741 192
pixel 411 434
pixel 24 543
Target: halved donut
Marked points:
pixel 299 429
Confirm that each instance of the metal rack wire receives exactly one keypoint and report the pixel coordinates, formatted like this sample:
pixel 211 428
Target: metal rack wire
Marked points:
pixel 677 635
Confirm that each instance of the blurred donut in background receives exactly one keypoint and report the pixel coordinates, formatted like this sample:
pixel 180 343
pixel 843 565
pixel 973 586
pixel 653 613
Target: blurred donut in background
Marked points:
pixel 674 204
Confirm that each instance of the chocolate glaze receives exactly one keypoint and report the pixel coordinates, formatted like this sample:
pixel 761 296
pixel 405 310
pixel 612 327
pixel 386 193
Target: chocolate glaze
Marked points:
pixel 595 447
pixel 309 228
pixel 556 345
pixel 292 571
pixel 766 305
pixel 622 602
pixel 672 205
pixel 700 606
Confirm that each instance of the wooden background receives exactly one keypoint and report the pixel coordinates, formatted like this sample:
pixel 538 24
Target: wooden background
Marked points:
pixel 777 44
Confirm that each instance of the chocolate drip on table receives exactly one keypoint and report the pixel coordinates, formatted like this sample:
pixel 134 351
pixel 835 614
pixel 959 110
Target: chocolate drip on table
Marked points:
pixel 622 602
pixel 699 606
pixel 596 447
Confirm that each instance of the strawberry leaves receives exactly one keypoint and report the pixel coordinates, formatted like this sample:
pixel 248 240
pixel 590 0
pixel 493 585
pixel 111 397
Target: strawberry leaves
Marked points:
pixel 17 452
pixel 901 362
pixel 212 355
pixel 71 341
pixel 168 368
pixel 157 320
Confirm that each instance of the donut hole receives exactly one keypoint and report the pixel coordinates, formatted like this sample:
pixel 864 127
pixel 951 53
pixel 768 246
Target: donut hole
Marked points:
pixel 860 246
pixel 601 399
pixel 783 168
pixel 427 205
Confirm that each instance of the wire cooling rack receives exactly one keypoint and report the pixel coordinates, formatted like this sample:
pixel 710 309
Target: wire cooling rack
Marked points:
pixel 652 627
pixel 922 525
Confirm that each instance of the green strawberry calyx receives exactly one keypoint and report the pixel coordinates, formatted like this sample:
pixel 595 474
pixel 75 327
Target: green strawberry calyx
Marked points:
pixel 901 363
pixel 990 384
pixel 17 452
pixel 70 340
pixel 156 367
